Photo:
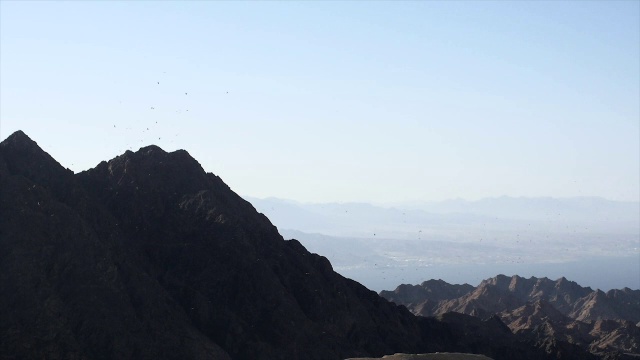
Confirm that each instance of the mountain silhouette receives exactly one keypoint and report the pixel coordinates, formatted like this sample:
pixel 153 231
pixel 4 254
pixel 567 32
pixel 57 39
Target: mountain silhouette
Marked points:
pixel 148 256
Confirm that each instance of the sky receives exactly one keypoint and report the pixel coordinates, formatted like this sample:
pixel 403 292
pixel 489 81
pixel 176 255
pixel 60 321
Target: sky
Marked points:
pixel 338 101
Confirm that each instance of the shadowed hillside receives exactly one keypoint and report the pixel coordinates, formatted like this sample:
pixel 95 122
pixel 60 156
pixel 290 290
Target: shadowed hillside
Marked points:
pixel 147 256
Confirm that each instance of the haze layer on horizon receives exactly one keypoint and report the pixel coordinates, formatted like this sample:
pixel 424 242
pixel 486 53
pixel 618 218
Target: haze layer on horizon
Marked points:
pixel 593 241
pixel 340 101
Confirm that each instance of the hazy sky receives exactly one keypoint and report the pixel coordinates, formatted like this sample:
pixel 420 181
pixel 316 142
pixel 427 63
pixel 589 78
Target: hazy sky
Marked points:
pixel 338 101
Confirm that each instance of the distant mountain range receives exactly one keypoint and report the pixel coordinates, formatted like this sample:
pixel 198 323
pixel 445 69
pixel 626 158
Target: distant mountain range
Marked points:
pixel 349 219
pixel 537 308
pixel 383 246
pixel 539 208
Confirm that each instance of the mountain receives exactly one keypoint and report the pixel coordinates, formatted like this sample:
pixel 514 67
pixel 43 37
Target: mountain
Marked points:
pixel 539 309
pixel 593 209
pixel 507 293
pixel 357 219
pixel 437 356
pixel 541 319
pixel 147 256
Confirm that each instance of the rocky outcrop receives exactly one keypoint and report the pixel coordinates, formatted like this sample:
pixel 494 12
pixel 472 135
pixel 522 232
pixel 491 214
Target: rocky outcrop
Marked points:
pixel 436 356
pixel 550 313
pixel 507 293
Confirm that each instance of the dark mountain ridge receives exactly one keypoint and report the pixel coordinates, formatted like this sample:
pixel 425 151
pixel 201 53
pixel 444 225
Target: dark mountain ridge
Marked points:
pixel 147 256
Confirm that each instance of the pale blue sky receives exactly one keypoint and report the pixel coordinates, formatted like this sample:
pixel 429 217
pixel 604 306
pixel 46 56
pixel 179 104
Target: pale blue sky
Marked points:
pixel 338 101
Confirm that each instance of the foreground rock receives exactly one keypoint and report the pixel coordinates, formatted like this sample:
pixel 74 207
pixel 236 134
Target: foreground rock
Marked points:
pixel 436 356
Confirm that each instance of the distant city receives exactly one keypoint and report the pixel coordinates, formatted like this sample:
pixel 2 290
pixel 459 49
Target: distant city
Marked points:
pixel 466 241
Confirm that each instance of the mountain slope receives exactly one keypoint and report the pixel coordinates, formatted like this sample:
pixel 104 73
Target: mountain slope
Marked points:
pixel 147 256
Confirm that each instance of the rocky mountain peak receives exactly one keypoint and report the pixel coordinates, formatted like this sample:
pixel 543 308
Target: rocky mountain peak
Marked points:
pixel 23 156
pixel 571 286
pixel 153 161
pixel 20 140
pixel 501 281
pixel 157 180
pixel 20 145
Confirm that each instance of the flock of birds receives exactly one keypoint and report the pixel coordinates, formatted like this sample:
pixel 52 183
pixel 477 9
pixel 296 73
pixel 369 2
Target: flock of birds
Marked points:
pixel 149 126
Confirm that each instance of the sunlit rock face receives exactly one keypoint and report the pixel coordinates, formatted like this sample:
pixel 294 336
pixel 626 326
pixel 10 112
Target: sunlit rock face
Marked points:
pixel 537 308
